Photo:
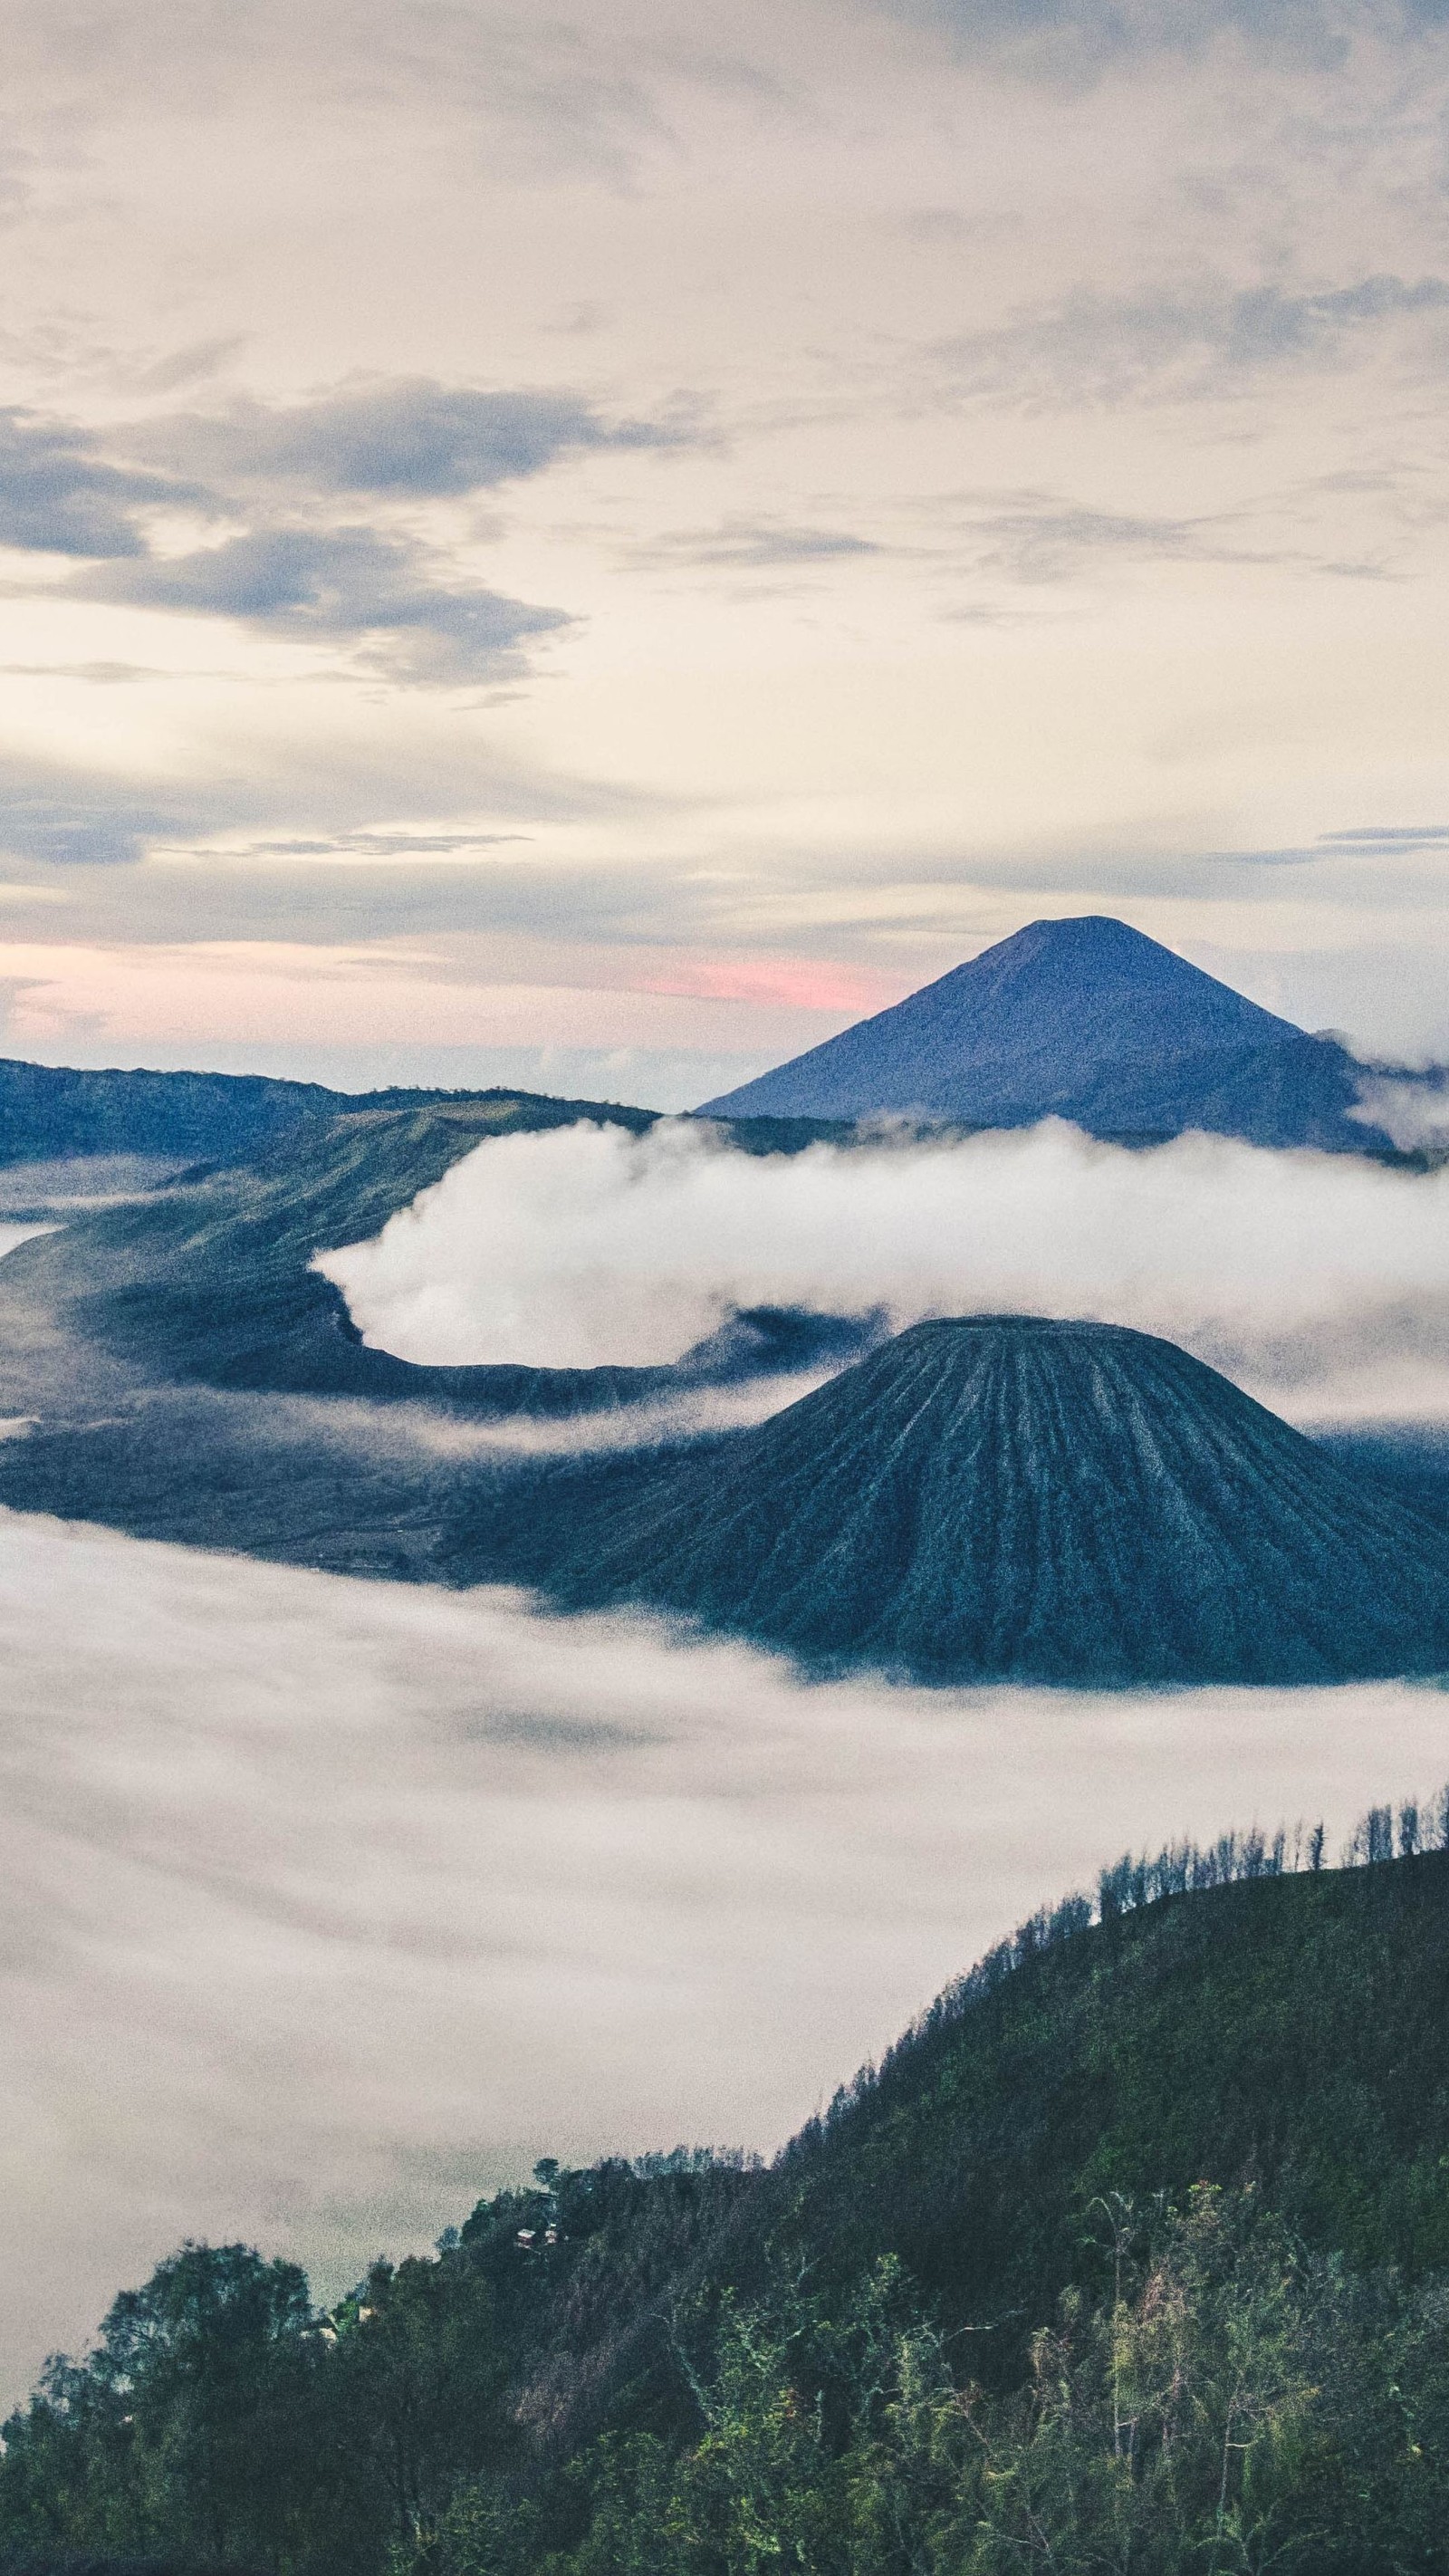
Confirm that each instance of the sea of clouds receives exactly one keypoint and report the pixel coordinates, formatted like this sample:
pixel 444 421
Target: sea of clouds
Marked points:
pixel 1319 1281
pixel 327 1905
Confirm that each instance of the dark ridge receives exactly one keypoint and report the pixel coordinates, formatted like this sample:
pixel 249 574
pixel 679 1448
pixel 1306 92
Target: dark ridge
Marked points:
pixel 57 1111
pixel 1285 2029
pixel 54 1112
pixel 64 1112
pixel 1010 1498
pixel 1086 1020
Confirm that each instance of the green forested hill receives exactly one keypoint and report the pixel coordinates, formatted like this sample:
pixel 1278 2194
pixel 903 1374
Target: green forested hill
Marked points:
pixel 1133 2254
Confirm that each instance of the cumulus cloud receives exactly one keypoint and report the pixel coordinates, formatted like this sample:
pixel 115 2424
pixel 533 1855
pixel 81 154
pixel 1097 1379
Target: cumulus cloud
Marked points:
pixel 1320 1281
pixel 325 1906
pixel 1410 1108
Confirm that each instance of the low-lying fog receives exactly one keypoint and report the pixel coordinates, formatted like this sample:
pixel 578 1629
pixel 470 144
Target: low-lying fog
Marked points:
pixel 328 1905
pixel 1318 1281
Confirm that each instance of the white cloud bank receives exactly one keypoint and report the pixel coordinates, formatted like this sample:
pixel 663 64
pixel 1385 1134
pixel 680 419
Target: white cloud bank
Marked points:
pixel 326 1905
pixel 1320 1281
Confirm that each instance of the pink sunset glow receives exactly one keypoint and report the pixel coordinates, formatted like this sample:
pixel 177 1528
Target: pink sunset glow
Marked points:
pixel 794 984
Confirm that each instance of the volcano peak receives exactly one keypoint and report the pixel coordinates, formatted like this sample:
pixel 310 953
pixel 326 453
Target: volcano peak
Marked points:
pixel 1024 1497
pixel 1085 1019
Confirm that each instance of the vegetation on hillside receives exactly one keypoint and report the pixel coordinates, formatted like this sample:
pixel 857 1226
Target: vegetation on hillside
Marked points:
pixel 1132 2255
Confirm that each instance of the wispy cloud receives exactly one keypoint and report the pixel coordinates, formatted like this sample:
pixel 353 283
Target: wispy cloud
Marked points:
pixel 327 801
pixel 1372 841
pixel 398 437
pixel 348 583
pixel 760 545
pixel 1079 39
pixel 1040 536
pixel 53 819
pixel 551 95
pixel 1178 342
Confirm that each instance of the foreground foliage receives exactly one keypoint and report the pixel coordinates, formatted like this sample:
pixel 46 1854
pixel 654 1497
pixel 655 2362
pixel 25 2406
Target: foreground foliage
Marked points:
pixel 1133 2256
pixel 1230 2401
pixel 1233 2403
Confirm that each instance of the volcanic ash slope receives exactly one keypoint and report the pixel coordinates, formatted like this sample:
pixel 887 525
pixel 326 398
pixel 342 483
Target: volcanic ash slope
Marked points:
pixel 1003 1497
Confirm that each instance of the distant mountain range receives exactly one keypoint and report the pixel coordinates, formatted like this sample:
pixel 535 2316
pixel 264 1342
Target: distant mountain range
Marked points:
pixel 49 1112
pixel 1004 1498
pixel 1083 1020
pixel 60 1113
pixel 1086 1020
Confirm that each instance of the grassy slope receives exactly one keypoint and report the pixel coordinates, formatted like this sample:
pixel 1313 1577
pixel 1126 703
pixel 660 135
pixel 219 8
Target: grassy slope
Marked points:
pixel 1291 2027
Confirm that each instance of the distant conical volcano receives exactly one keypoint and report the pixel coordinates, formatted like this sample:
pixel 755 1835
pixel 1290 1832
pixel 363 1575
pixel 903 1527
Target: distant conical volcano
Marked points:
pixel 1087 1020
pixel 1003 1497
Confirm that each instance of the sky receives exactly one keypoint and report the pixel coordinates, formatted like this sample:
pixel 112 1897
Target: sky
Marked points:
pixel 593 547
pixel 516 1886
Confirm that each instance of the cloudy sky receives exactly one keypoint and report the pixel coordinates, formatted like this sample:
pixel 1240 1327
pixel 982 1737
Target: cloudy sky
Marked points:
pixel 595 545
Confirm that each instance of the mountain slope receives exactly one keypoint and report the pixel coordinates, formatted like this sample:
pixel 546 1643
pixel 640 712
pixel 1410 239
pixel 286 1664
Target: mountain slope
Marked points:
pixel 1003 1497
pixel 1086 1020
